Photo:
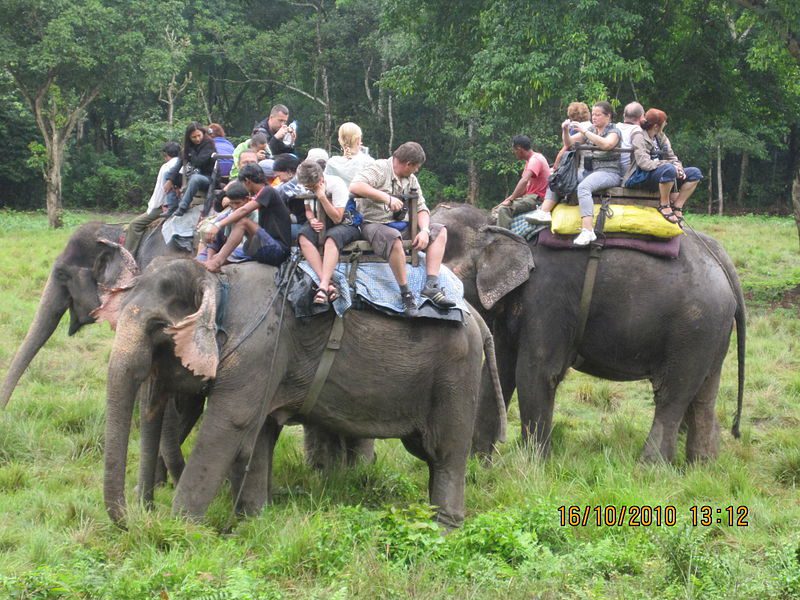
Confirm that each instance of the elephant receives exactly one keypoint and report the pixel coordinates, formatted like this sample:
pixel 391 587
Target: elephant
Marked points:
pixel 415 379
pixel 665 320
pixel 92 259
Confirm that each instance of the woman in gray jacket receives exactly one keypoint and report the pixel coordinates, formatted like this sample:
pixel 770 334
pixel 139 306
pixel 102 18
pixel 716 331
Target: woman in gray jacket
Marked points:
pixel 654 166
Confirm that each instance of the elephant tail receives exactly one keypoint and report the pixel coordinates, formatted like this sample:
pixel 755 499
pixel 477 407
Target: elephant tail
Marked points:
pixel 741 338
pixel 491 363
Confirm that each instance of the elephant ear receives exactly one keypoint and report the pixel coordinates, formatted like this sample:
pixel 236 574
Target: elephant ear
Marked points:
pixel 111 295
pixel 504 264
pixel 195 336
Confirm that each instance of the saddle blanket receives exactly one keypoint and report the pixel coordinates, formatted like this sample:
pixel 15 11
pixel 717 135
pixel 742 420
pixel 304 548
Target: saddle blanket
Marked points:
pixel 180 230
pixel 376 286
pixel 663 247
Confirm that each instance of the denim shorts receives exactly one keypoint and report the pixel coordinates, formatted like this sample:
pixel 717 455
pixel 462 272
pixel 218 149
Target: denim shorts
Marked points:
pixel 266 249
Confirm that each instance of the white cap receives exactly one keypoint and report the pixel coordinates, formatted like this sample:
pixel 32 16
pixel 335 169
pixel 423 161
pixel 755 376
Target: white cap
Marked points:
pixel 317 154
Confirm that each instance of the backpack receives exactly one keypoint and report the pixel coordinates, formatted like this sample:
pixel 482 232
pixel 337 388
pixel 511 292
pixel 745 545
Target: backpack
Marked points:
pixel 351 214
pixel 564 180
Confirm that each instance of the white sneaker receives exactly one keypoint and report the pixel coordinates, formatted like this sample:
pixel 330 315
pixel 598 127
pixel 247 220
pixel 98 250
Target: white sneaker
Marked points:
pixel 539 217
pixel 585 237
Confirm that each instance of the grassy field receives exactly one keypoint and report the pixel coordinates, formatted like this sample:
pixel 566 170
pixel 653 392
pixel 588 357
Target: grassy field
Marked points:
pixel 365 533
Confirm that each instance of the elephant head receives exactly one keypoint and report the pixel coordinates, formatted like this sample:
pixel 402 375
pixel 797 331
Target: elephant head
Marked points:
pixel 490 261
pixel 166 325
pixel 74 284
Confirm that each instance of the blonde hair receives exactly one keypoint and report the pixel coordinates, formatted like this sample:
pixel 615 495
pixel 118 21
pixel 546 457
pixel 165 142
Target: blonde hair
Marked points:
pixel 349 138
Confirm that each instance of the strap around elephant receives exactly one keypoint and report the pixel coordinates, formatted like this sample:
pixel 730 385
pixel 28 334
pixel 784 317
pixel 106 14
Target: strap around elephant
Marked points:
pixel 325 364
pixel 595 249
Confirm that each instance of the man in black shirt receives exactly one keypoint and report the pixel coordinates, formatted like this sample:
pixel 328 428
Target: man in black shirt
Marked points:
pixel 269 239
pixel 276 127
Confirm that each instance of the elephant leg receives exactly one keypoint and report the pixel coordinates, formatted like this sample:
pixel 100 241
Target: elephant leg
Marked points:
pixel 702 439
pixel 218 444
pixel 413 443
pixel 151 410
pixel 446 443
pixel 483 436
pixel 446 489
pixel 171 440
pixel 359 451
pixel 251 485
pixel 536 393
pixel 673 393
pixel 324 449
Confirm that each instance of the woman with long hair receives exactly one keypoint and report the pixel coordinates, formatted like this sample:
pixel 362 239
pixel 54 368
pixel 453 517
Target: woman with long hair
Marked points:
pixel 354 156
pixel 197 163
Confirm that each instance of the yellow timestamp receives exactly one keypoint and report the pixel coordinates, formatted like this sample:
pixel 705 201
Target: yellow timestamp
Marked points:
pixel 731 516
pixel 650 516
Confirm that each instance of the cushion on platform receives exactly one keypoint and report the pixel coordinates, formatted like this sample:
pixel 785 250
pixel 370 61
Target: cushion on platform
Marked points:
pixel 624 219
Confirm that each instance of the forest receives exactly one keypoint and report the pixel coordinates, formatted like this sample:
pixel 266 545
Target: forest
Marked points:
pixel 91 89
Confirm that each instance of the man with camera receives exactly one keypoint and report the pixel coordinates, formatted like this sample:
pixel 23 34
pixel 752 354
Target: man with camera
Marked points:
pixel 281 136
pixel 378 189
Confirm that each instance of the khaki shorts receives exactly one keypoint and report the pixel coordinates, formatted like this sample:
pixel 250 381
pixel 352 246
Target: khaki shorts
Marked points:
pixel 381 237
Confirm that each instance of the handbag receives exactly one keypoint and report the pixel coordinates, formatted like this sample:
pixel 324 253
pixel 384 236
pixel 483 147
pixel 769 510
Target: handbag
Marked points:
pixel 638 177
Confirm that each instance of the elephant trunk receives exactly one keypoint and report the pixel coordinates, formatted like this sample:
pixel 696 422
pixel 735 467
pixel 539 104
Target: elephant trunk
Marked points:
pixel 129 365
pixel 54 303
pixel 491 363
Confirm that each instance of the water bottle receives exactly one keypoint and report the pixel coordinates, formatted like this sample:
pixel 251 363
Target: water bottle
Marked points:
pixel 288 139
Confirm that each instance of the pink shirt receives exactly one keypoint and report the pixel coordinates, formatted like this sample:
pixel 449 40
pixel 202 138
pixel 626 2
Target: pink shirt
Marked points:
pixel 540 170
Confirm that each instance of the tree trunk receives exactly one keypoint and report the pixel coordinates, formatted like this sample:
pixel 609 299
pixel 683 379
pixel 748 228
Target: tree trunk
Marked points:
pixel 391 122
pixel 710 187
pixel 55 159
pixel 796 199
pixel 472 168
pixel 719 179
pixel 743 178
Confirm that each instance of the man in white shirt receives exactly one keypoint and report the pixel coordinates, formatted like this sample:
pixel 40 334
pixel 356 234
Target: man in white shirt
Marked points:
pixel 171 152
pixel 631 116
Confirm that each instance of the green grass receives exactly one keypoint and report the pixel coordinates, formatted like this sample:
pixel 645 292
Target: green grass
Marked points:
pixel 365 533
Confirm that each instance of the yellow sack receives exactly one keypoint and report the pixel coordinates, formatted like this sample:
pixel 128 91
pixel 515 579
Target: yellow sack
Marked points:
pixel 625 218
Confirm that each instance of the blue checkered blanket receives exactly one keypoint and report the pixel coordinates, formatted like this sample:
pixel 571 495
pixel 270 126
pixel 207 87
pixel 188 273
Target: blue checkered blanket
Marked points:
pixel 522 228
pixel 376 285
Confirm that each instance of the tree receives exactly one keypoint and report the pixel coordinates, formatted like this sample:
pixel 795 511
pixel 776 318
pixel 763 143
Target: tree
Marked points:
pixel 67 53
pixel 780 20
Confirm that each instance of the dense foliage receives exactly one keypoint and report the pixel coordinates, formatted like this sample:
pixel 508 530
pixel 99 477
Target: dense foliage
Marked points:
pixel 461 82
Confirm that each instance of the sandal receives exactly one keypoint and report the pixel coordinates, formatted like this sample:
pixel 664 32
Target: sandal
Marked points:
pixel 320 297
pixel 677 211
pixel 669 216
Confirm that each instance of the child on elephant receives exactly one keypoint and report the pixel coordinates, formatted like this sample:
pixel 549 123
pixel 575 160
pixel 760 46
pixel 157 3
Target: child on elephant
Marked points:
pixel 268 239
pixel 237 196
pixel 332 196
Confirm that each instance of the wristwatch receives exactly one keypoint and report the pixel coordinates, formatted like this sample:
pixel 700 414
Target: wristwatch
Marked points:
pixel 425 230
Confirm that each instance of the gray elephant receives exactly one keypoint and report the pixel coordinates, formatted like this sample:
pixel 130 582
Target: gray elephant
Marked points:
pixel 417 380
pixel 91 260
pixel 668 321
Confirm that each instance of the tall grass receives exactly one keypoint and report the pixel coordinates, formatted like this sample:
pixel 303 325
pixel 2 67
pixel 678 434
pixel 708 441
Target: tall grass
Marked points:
pixel 365 532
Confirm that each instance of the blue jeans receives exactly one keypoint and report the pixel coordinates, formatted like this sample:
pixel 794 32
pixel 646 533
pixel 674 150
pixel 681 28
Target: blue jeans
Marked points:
pixel 197 183
pixel 665 173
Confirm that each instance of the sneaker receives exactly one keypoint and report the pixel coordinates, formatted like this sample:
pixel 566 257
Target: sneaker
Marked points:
pixel 409 305
pixel 539 217
pixel 585 237
pixel 180 211
pixel 436 295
